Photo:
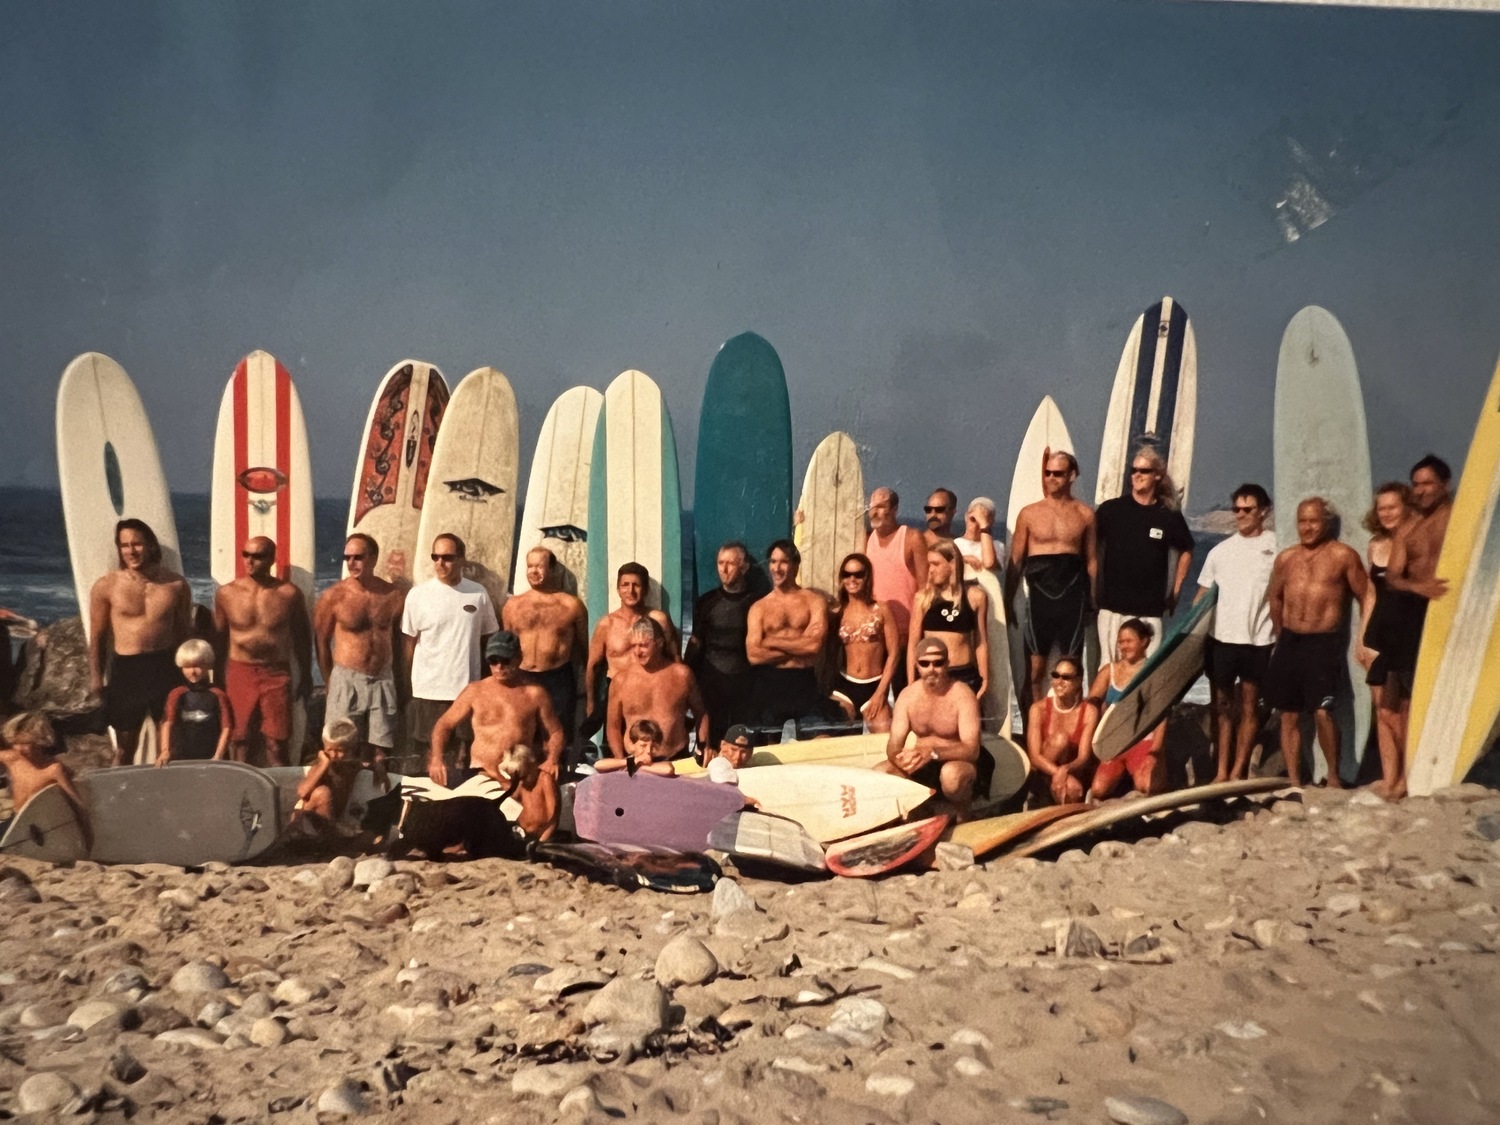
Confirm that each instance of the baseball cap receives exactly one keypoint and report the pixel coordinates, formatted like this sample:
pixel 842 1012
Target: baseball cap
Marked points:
pixel 739 735
pixel 504 644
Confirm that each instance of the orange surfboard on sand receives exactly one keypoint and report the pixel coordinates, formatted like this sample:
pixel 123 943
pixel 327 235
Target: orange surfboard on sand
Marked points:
pixel 886 850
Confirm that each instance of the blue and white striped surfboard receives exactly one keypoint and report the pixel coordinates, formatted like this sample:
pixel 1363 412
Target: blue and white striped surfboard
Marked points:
pixel 1154 400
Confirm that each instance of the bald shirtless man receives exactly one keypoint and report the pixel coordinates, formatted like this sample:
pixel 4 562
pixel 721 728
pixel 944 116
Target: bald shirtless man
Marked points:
pixel 142 611
pixel 784 634
pixel 1054 551
pixel 263 621
pixel 554 630
pixel 507 714
pixel 610 646
pixel 944 715
pixel 356 634
pixel 658 688
pixel 1313 585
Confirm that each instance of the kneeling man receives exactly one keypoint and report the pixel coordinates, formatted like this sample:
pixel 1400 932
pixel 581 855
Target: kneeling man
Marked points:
pixel 944 715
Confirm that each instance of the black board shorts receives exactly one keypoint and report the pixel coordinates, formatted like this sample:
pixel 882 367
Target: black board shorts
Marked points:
pixel 1057 604
pixel 788 693
pixel 138 686
pixel 1305 671
pixel 931 775
pixel 1229 662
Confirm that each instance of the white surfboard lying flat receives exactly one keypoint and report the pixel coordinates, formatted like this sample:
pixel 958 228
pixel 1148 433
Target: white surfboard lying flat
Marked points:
pixel 108 469
pixel 472 489
pixel 556 515
pixel 831 802
pixel 832 510
pixel 1321 449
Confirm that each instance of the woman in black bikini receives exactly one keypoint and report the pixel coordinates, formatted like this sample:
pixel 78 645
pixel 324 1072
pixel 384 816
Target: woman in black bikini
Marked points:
pixel 956 613
pixel 1385 521
pixel 870 644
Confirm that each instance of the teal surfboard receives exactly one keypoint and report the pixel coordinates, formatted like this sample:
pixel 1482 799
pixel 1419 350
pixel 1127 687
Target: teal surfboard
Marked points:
pixel 635 503
pixel 742 485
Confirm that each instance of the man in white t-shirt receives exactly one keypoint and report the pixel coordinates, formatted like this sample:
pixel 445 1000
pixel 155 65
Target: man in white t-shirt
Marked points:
pixel 1243 635
pixel 445 623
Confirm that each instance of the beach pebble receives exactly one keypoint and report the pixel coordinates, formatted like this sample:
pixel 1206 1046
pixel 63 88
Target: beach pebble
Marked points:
pixel 970 1068
pixel 15 888
pixel 196 1037
pixel 346 1098
pixel 639 1003
pixel 1133 1109
pixel 199 976
pixel 1487 827
pixel 337 876
pixel 685 960
pixel 968 1037
pixel 257 1004
pixel 295 990
pixel 889 1085
pixel 581 1100
pixel 1340 905
pixel 976 903
pixel 730 898
pixel 570 979
pixel 1074 939
pixel 180 897
pixel 212 1012
pixel 103 1014
pixel 953 857
pixel 1241 1029
pixel 125 1067
pixel 268 1032
pixel 749 926
pixel 129 980
pixel 549 1081
pixel 859 1021
pixel 44 1093
pixel 369 871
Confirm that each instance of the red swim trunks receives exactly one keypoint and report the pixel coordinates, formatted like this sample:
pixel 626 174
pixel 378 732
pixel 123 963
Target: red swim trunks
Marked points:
pixel 263 690
pixel 1140 762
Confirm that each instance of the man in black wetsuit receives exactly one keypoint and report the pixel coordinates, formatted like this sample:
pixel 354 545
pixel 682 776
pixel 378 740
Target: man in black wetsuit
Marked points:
pixel 716 650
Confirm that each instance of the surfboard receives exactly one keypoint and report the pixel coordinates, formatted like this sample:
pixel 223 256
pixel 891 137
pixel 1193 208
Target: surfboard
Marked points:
pixel 988 835
pixel 1161 683
pixel 1456 695
pixel 262 485
pixel 361 793
pixel 47 829
pixel 1321 449
pixel 999 700
pixel 652 811
pixel 831 802
pixel 878 853
pixel 108 469
pixel 635 506
pixel 472 488
pixel 1154 400
pixel 556 515
pixel 1106 814
pixel 188 814
pixel 657 869
pixel 1047 433
pixel 395 460
pixel 832 509
pixel 742 476
pixel 778 840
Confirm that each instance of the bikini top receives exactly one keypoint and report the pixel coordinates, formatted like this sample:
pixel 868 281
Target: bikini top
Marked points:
pixel 943 616
pixel 872 628
pixel 1077 726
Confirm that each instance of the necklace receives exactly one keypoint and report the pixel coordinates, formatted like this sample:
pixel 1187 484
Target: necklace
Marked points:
pixel 1057 709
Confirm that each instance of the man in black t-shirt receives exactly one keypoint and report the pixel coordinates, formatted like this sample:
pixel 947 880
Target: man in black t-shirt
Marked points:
pixel 716 650
pixel 1137 533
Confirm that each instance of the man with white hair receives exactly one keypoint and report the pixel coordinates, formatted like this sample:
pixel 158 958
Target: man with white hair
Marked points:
pixel 977 543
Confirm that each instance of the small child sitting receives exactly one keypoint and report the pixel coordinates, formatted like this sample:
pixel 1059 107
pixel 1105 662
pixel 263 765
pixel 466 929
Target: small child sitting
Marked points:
pixel 29 741
pixel 197 719
pixel 643 741
pixel 521 770
pixel 323 795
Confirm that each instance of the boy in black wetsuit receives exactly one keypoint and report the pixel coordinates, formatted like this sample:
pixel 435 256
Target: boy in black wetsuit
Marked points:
pixel 197 719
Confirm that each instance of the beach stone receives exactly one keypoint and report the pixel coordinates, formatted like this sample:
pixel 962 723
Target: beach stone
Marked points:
pixel 212 1012
pixel 199 976
pixel 685 960
pixel 295 990
pixel 750 926
pixel 346 1098
pixel 1383 912
pixel 889 1085
pixel 1134 1109
pixel 1487 827
pixel 549 1081
pixel 1074 939
pixel 626 1001
pixel 36 1016
pixel 103 1014
pixel 1241 1029
pixel 968 1037
pixel 13 889
pixel 45 1093
pixel 268 1032
pixel 180 897
pixel 125 1067
pixel 368 872
pixel 570 979
pixel 580 1101
pixel 859 1021
pixel 730 898
pixel 953 857
pixel 195 1037
pixel 1340 905
pixel 626 1040
pixel 337 876
pixel 257 1004
pixel 976 903
pixel 129 979
pixel 969 1067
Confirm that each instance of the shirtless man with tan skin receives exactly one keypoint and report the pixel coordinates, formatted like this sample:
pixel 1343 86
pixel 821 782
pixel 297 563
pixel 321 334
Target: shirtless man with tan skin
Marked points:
pixel 356 635
pixel 1312 587
pixel 554 630
pixel 263 622
pixel 944 715
pixel 142 611
pixel 610 646
pixel 1054 550
pixel 783 636
pixel 506 712
pixel 657 688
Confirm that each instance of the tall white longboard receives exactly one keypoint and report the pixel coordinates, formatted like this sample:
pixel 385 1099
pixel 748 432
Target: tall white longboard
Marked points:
pixel 395 461
pixel 556 515
pixel 472 488
pixel 109 469
pixel 831 512
pixel 1321 449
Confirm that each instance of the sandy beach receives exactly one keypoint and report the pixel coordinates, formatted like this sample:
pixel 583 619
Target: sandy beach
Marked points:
pixel 1320 956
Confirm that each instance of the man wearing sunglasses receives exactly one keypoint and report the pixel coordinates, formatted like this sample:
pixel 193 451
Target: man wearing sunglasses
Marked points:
pixel 939 510
pixel 263 620
pixel 356 626
pixel 943 715
pixel 446 622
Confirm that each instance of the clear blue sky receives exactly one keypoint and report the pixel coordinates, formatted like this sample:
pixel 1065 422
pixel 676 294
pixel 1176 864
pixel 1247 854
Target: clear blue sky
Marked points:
pixel 938 212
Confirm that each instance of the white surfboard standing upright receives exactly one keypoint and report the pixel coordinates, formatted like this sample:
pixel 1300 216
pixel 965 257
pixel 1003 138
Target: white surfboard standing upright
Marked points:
pixel 831 521
pixel 108 469
pixel 1322 450
pixel 556 515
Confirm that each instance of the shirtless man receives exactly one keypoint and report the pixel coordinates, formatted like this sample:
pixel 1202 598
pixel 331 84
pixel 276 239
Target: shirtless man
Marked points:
pixel 610 646
pixel 142 611
pixel 784 634
pixel 940 509
pixel 506 713
pixel 356 633
pixel 554 630
pixel 654 687
pixel 1054 551
pixel 899 556
pixel 263 622
pixel 1060 736
pixel 1312 587
pixel 944 715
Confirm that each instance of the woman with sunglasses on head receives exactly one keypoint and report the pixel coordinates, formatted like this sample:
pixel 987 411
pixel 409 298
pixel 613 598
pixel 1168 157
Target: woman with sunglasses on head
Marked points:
pixel 1145 763
pixel 870 643
pixel 1059 738
pixel 955 612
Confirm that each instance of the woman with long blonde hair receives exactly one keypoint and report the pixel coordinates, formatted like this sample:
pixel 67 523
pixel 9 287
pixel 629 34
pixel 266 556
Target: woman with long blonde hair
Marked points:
pixel 956 613
pixel 1391 514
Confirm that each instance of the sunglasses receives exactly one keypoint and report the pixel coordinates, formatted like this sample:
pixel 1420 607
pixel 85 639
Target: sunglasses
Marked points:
pixel 353 558
pixel 444 558
pixel 1065 675
pixel 1141 470
pixel 257 554
pixel 930 508
pixel 1054 472
pixel 852 573
pixel 935 663
pixel 1239 511
pixel 498 659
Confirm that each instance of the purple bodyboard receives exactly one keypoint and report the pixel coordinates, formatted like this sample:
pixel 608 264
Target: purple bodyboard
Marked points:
pixel 651 811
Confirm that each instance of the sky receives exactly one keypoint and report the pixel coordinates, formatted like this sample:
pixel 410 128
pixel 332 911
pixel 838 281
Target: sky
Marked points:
pixel 938 212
